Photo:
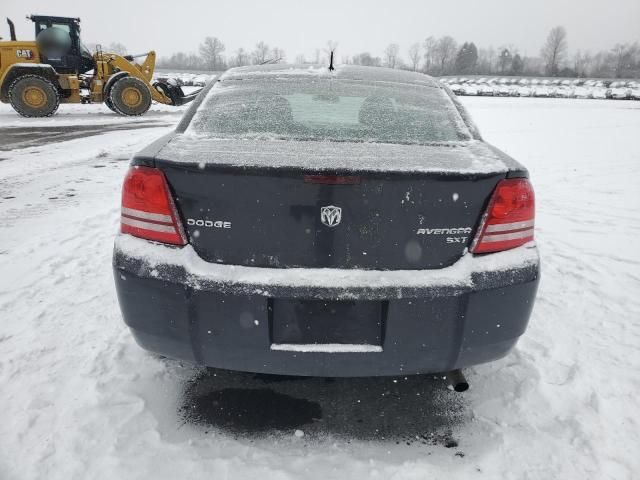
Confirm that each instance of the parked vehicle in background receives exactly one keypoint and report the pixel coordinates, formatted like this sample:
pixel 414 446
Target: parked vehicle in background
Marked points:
pixel 307 222
pixel 457 89
pixel 469 89
pixel 619 91
pixel 486 90
pixel 544 87
pixel 503 90
pixel 580 92
pixel 542 91
pixel 524 91
pixel 200 80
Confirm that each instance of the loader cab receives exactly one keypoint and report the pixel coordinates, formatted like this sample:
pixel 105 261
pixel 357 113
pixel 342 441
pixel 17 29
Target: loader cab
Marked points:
pixel 71 56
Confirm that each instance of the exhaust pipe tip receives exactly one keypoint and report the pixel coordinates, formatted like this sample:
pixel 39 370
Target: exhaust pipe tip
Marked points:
pixel 456 379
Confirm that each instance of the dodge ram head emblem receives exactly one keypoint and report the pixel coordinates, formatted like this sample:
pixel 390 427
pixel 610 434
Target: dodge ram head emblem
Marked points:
pixel 330 215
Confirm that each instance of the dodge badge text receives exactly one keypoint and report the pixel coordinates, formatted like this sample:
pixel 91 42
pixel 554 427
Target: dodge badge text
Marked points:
pixel 198 222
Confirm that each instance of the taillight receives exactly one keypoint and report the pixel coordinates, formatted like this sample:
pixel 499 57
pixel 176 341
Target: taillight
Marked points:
pixel 148 210
pixel 509 219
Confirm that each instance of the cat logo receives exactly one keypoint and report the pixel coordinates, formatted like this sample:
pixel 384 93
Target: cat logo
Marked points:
pixel 331 215
pixel 24 53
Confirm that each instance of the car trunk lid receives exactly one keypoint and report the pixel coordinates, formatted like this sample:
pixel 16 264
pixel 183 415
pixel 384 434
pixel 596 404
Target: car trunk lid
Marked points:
pixel 269 204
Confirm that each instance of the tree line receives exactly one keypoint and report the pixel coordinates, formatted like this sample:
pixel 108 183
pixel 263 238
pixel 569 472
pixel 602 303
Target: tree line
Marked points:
pixel 437 56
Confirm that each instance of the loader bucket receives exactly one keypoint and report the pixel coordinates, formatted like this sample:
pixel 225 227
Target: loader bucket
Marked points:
pixel 173 91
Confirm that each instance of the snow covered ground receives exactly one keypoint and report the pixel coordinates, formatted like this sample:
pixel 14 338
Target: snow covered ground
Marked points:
pixel 80 400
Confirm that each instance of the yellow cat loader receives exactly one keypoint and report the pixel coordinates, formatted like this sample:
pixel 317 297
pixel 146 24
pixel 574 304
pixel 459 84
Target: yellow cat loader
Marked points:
pixel 36 76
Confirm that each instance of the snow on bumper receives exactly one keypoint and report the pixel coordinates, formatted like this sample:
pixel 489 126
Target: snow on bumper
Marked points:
pixel 184 266
pixel 219 315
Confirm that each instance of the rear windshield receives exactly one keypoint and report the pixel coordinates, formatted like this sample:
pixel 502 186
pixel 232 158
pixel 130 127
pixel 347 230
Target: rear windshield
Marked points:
pixel 331 110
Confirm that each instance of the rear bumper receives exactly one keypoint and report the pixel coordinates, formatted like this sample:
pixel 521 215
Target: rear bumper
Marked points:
pixel 221 316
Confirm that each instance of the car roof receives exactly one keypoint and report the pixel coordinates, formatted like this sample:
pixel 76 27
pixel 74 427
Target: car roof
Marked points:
pixel 346 72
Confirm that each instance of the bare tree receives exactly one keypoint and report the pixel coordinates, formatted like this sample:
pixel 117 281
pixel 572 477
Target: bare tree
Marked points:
pixel 261 53
pixel 622 56
pixel 429 47
pixel 445 53
pixel 301 58
pixel 181 60
pixel 117 48
pixel 211 52
pixel 415 52
pixel 581 63
pixel 366 59
pixel 278 54
pixel 391 55
pixel 486 61
pixel 554 50
pixel 194 62
pixel 242 57
pixel 601 65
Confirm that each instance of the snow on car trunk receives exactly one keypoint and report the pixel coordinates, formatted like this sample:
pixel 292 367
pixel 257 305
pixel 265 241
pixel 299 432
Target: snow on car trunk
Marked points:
pixel 267 203
pixel 81 400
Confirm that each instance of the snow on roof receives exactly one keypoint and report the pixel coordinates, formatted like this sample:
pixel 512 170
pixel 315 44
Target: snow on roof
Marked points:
pixel 347 72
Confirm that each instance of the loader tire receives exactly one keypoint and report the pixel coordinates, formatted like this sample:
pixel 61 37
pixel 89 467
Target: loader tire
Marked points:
pixel 108 103
pixel 34 96
pixel 130 96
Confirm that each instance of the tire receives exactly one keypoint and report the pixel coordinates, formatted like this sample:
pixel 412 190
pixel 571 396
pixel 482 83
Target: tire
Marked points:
pixel 34 96
pixel 108 103
pixel 130 96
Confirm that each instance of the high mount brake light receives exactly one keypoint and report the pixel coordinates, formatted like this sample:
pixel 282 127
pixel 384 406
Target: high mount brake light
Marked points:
pixel 148 210
pixel 333 179
pixel 509 219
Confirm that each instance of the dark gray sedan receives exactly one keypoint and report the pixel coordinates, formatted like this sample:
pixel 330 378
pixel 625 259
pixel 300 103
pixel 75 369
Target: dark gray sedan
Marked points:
pixel 326 223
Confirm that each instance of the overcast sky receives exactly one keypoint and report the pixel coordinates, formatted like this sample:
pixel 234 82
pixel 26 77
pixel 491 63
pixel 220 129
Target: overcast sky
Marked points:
pixel 302 26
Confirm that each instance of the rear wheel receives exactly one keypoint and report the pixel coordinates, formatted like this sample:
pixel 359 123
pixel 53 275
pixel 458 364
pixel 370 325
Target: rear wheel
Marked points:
pixel 129 96
pixel 34 96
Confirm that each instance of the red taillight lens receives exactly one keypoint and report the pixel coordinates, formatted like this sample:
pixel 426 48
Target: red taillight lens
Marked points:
pixel 509 219
pixel 148 210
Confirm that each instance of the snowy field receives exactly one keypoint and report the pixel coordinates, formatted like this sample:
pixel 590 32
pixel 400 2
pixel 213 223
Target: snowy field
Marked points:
pixel 80 400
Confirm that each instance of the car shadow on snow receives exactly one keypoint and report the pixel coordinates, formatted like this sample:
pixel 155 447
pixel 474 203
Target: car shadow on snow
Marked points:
pixel 411 409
